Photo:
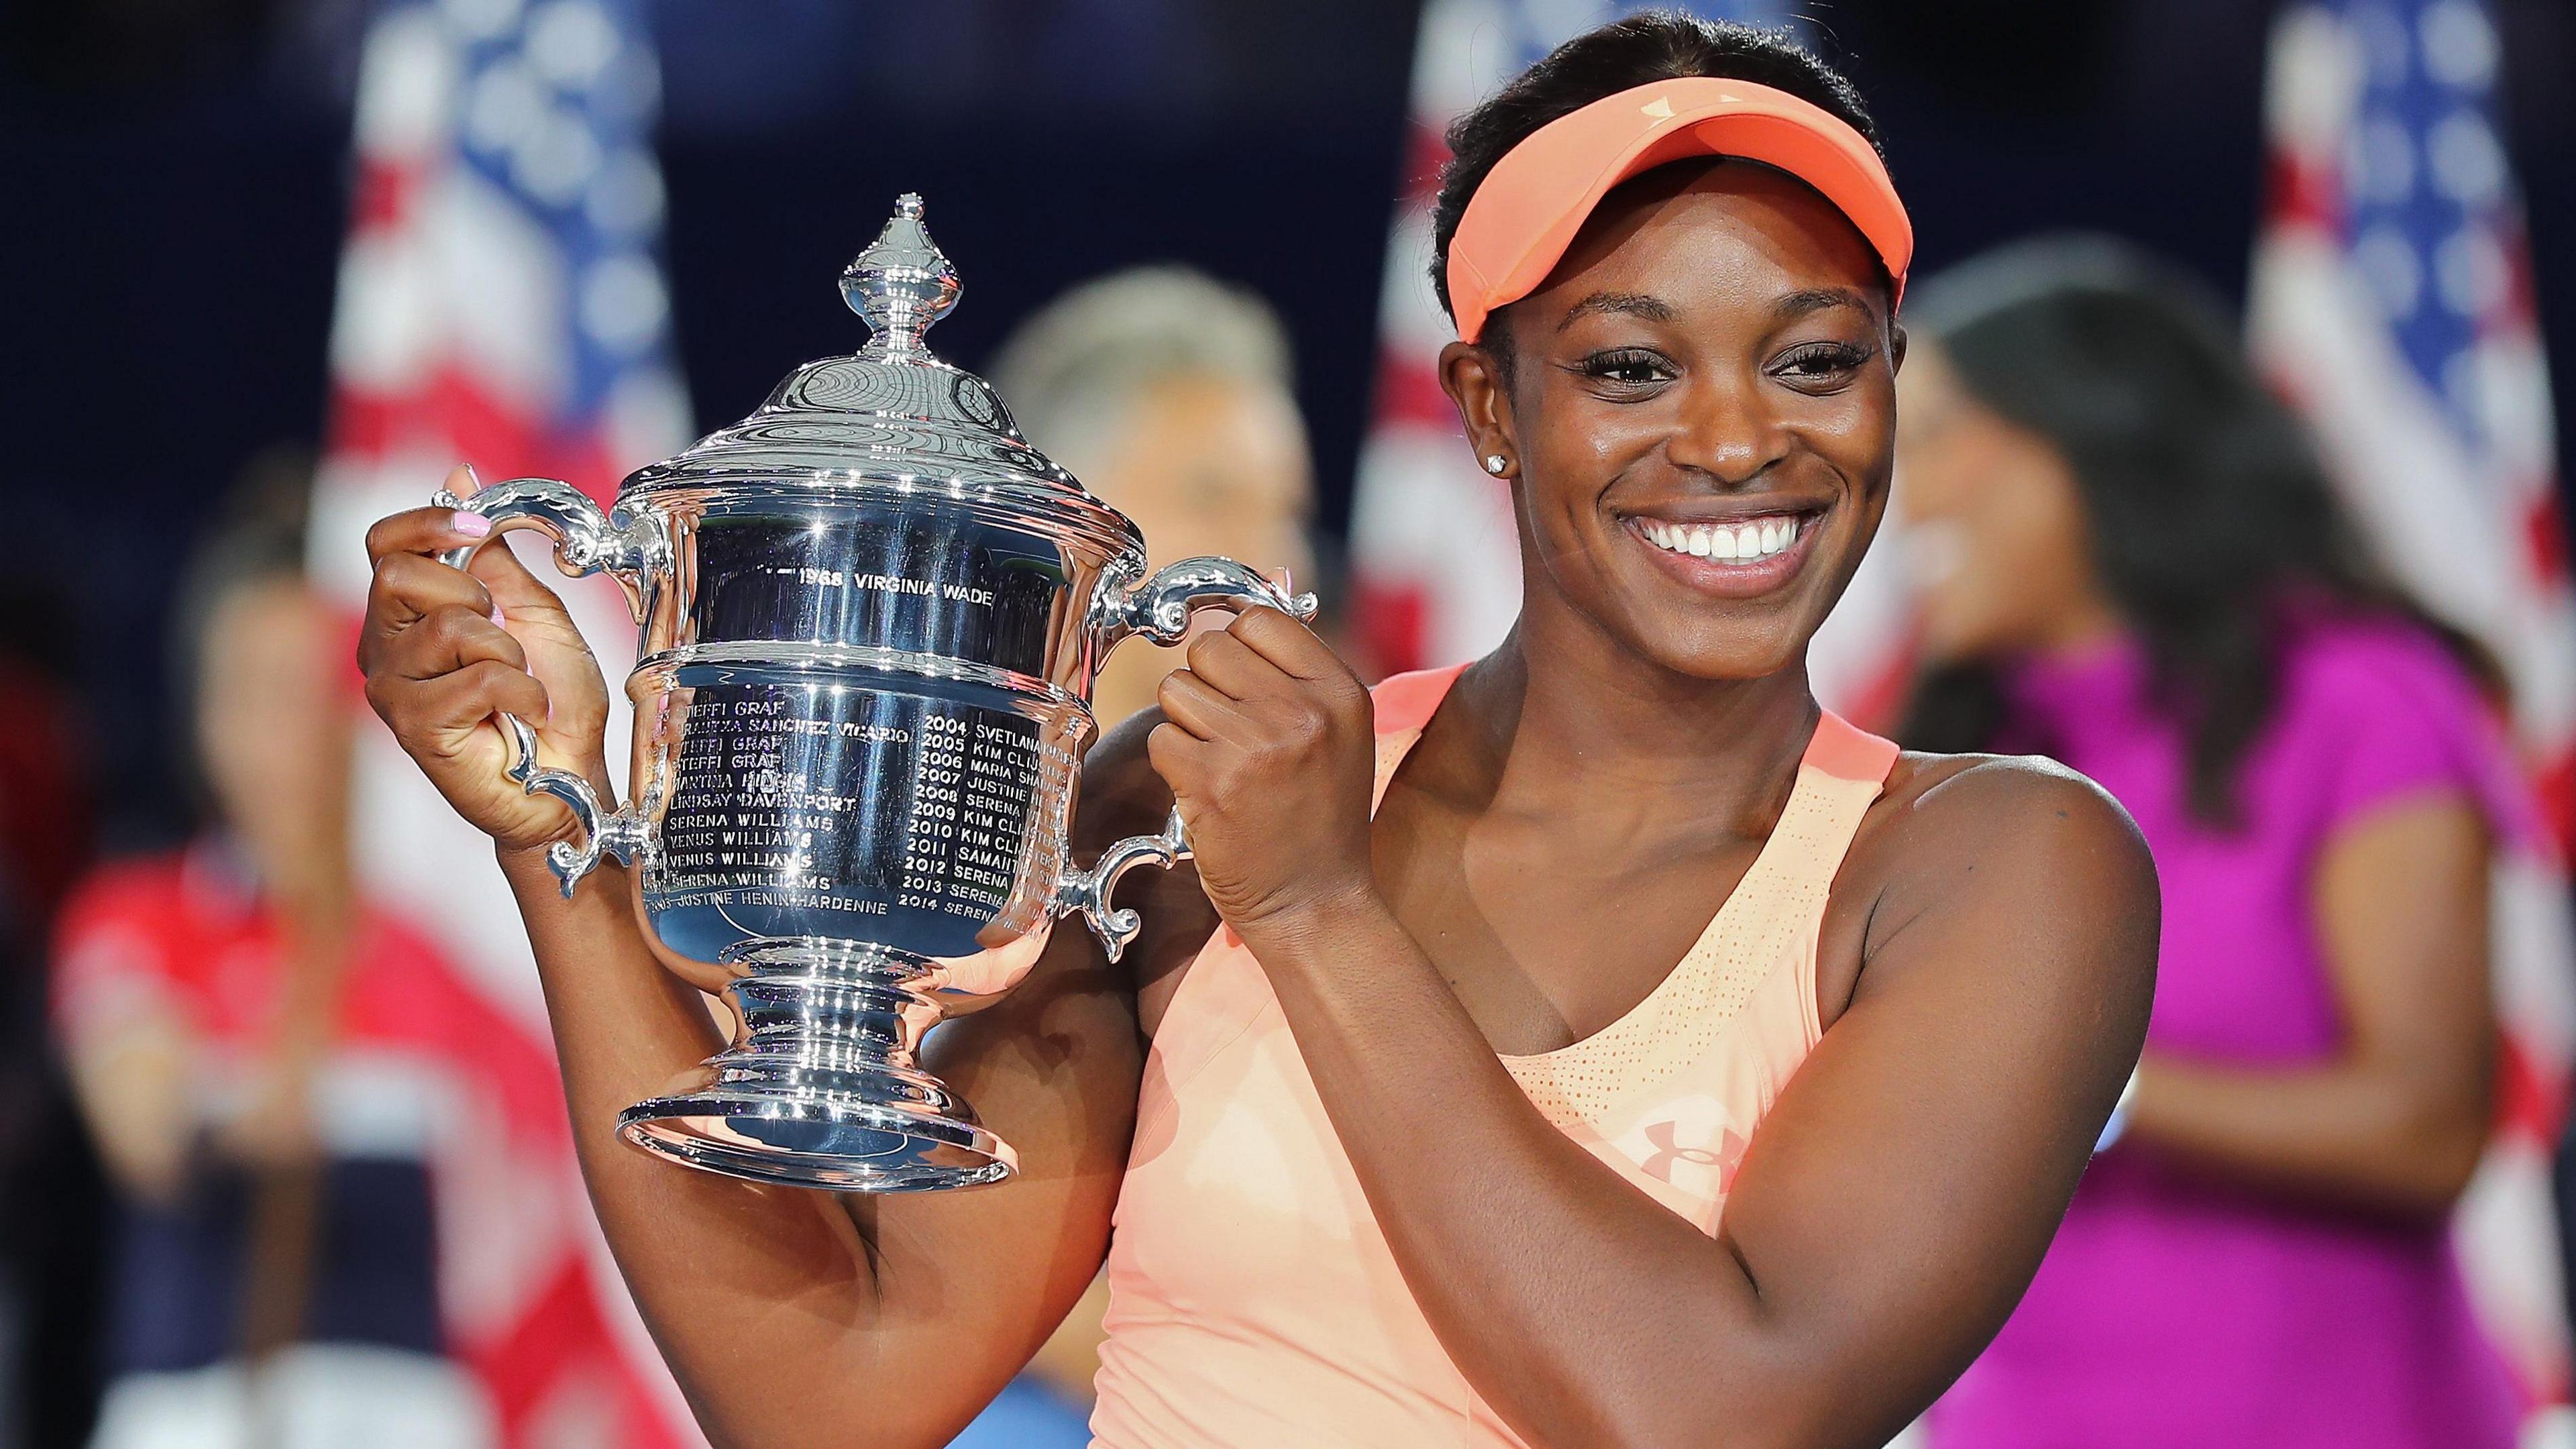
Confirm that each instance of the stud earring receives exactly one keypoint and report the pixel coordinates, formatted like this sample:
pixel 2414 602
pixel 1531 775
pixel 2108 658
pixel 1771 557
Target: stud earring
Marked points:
pixel 1495 463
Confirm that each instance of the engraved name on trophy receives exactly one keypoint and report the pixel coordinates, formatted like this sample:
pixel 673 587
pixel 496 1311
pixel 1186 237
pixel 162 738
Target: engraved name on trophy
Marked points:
pixel 871 617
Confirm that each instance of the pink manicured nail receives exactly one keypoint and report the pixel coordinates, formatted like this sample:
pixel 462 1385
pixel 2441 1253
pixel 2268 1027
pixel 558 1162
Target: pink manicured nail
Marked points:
pixel 471 524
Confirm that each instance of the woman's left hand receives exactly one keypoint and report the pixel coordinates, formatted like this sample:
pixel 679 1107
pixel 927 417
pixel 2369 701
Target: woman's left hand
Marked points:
pixel 1269 747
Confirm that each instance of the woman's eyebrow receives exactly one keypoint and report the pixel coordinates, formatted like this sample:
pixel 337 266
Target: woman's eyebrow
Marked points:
pixel 1817 299
pixel 1632 304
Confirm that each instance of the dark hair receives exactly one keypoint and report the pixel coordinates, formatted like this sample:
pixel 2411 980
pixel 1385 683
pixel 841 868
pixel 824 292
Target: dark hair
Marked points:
pixel 2211 521
pixel 1635 50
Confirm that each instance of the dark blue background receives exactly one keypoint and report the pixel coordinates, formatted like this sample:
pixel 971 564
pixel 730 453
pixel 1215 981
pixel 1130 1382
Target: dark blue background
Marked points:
pixel 172 173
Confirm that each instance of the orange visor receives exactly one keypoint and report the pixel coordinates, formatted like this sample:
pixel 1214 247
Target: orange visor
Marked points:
pixel 1528 208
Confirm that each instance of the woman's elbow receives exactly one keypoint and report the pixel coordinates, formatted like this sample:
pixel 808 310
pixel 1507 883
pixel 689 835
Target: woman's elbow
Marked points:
pixel 2440 1139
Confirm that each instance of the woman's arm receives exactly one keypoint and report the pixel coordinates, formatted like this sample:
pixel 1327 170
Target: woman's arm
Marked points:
pixel 1898 1197
pixel 2397 1117
pixel 804 1318
pixel 130 1077
pixel 789 1317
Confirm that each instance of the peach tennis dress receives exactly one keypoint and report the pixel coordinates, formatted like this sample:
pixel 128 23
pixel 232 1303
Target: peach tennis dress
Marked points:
pixel 1253 1300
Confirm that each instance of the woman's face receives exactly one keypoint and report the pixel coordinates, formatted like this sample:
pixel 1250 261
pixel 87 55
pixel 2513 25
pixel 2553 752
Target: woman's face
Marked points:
pixel 1700 410
pixel 1203 465
pixel 273 722
pixel 1996 531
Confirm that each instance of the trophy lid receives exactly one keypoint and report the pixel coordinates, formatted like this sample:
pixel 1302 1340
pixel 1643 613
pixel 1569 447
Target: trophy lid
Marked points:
pixel 893 415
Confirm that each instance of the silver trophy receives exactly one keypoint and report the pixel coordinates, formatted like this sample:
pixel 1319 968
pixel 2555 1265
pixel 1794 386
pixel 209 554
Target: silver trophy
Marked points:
pixel 871 618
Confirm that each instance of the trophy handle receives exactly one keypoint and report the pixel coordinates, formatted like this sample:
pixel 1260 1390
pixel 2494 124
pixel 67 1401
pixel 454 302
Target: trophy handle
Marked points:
pixel 587 541
pixel 1088 891
pixel 1160 607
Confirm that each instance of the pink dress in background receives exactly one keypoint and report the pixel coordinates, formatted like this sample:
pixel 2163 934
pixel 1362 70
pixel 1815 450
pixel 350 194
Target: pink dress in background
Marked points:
pixel 2173 1311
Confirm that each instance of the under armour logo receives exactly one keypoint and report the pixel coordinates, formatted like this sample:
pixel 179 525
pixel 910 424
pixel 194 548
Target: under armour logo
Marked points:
pixel 1729 1153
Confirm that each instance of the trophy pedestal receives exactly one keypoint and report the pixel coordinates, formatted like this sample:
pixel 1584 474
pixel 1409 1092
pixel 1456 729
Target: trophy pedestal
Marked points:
pixel 825 1090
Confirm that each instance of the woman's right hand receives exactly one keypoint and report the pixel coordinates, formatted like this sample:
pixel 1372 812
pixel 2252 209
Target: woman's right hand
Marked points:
pixel 438 668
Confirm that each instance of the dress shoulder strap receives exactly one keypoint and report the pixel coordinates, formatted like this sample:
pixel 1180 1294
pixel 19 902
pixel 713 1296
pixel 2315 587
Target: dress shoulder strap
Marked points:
pixel 1405 702
pixel 1841 776
pixel 1847 752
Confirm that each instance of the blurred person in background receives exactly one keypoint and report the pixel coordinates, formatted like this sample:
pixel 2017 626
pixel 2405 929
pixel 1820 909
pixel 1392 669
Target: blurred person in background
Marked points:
pixel 1171 396
pixel 2133 563
pixel 262 1056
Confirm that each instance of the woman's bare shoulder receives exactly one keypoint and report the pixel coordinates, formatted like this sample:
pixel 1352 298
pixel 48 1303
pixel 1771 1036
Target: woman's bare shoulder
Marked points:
pixel 1931 801
pixel 1984 792
pixel 1958 844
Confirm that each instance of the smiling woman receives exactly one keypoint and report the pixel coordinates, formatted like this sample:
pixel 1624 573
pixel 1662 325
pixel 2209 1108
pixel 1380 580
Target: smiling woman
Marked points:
pixel 1598 1044
pixel 1574 1192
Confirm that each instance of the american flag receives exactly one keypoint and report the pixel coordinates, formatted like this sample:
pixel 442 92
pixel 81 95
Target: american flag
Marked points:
pixel 501 302
pixel 2392 302
pixel 1435 561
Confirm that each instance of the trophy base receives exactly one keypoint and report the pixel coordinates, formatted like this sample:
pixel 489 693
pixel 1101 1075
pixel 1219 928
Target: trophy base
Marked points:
pixel 802 1141
pixel 824 1091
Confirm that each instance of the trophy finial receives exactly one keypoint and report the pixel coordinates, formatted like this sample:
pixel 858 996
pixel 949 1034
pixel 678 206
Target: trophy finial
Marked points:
pixel 902 283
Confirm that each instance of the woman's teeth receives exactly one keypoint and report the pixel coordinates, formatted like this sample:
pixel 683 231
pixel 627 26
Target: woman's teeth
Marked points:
pixel 1748 542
